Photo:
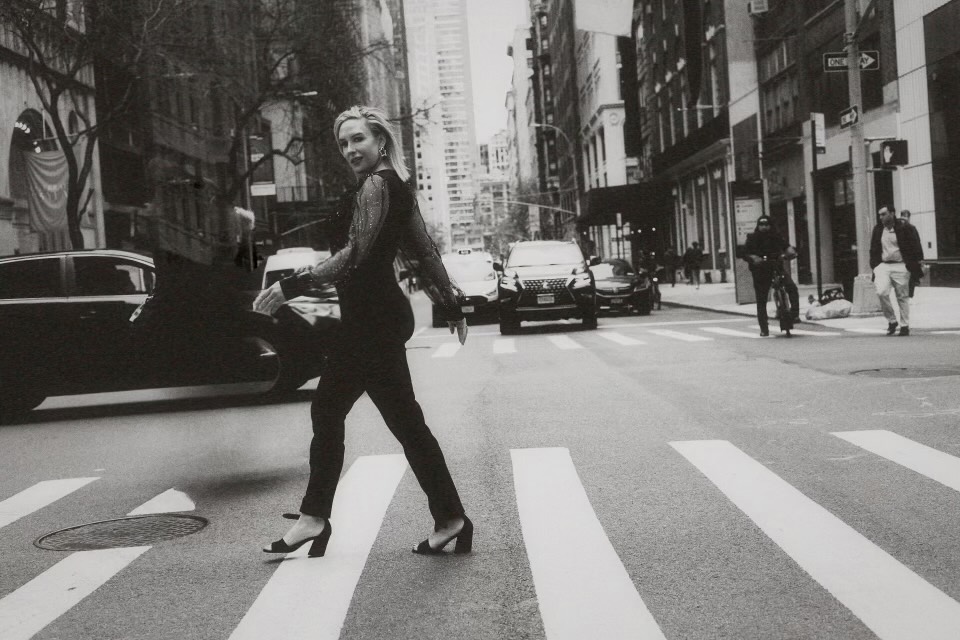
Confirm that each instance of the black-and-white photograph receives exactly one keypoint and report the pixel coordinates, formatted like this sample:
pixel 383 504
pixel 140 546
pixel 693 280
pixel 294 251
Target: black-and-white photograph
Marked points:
pixel 479 319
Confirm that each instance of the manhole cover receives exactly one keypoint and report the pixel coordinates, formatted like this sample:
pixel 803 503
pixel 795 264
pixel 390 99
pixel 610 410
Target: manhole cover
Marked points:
pixel 909 372
pixel 133 531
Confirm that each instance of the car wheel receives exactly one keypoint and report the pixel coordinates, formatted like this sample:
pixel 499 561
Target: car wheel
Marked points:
pixel 291 375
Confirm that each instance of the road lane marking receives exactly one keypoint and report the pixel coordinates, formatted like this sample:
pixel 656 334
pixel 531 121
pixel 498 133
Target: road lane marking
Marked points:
pixel 677 335
pixel 819 334
pixel 170 501
pixel 927 461
pixel 505 345
pixel 447 350
pixel 309 597
pixel 723 331
pixel 866 330
pixel 950 332
pixel 37 497
pixel 39 602
pixel 583 590
pixel 619 338
pixel 564 342
pixel 890 599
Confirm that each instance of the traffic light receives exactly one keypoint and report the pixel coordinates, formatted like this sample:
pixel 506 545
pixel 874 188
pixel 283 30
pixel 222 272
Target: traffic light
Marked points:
pixel 893 153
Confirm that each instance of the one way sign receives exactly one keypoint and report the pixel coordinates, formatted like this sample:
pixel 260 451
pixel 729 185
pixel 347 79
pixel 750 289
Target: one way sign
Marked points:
pixel 837 61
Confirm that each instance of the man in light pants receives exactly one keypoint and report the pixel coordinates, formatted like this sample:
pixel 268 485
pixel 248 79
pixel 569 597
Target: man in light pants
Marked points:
pixel 895 255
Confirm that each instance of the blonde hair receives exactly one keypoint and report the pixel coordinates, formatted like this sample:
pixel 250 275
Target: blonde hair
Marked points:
pixel 379 125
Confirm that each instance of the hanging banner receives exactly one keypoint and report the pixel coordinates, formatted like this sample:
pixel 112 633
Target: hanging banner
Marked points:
pixel 612 17
pixel 47 179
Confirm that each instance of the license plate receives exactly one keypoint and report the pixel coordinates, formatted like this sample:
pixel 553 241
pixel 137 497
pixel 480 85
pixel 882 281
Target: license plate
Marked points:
pixel 545 299
pixel 616 300
pixel 466 309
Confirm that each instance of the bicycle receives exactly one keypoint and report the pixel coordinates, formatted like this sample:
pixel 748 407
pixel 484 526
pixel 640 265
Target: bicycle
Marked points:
pixel 780 296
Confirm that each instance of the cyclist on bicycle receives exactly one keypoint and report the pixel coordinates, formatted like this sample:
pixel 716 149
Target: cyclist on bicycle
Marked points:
pixel 765 251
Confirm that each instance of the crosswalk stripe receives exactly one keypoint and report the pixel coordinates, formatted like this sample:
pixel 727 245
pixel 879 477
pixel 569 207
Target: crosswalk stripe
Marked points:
pixel 927 461
pixel 504 345
pixel 818 334
pixel 582 587
pixel 170 501
pixel 890 599
pixel 678 335
pixel 619 338
pixel 564 342
pixel 951 332
pixel 328 583
pixel 866 330
pixel 38 496
pixel 36 604
pixel 447 350
pixel 723 331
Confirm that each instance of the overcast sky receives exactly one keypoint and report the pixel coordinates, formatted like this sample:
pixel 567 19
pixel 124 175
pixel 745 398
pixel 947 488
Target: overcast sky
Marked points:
pixel 491 24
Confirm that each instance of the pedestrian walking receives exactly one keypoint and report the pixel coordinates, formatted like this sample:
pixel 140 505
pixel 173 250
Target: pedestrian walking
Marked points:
pixel 895 255
pixel 692 259
pixel 671 261
pixel 765 251
pixel 368 354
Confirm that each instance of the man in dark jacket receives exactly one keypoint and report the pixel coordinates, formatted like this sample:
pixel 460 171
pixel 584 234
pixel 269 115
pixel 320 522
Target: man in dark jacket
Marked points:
pixel 764 251
pixel 895 256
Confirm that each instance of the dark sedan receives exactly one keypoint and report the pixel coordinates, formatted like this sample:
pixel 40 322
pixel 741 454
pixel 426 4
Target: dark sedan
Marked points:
pixel 621 288
pixel 102 320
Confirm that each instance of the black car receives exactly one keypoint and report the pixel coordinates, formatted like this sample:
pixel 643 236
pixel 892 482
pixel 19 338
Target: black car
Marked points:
pixel 546 280
pixel 92 321
pixel 622 288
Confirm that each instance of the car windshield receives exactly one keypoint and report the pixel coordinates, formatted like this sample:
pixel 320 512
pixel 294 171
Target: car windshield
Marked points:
pixel 544 255
pixel 469 270
pixel 612 269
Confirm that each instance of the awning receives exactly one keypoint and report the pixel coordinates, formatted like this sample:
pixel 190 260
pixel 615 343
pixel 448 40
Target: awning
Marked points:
pixel 634 202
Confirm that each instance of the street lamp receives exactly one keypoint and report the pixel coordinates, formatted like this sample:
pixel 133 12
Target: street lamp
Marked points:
pixel 573 159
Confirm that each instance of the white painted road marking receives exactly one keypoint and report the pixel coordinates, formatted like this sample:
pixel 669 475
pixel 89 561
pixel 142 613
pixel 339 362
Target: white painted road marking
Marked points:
pixel 890 599
pixel 582 587
pixel 447 350
pixel 37 497
pixel 309 597
pixel 36 604
pixel 505 345
pixel 677 335
pixel 819 334
pixel 563 342
pixel 927 461
pixel 170 501
pixel 619 338
pixel 723 331
pixel 866 330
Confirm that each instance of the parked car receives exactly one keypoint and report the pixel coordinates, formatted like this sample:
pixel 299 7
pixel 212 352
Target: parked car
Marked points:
pixel 96 320
pixel 473 272
pixel 546 280
pixel 622 288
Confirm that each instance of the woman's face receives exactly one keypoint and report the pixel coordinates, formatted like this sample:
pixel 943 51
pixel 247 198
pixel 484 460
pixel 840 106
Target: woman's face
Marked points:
pixel 359 146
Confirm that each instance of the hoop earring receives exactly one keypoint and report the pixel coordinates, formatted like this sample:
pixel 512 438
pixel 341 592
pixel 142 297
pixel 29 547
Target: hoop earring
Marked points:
pixel 383 152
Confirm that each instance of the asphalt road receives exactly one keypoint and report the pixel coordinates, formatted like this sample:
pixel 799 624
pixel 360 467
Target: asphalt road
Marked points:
pixel 665 476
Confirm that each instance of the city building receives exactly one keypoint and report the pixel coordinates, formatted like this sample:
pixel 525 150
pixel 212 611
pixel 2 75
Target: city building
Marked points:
pixel 33 179
pixel 444 130
pixel 521 137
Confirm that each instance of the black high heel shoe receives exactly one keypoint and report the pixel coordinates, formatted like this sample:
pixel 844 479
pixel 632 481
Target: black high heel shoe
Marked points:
pixel 317 549
pixel 464 541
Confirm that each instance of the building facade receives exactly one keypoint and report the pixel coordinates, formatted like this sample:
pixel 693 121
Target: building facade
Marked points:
pixel 444 130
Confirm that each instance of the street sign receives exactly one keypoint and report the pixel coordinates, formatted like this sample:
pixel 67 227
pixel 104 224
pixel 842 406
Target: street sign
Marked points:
pixel 837 61
pixel 849 117
pixel 893 153
pixel 819 132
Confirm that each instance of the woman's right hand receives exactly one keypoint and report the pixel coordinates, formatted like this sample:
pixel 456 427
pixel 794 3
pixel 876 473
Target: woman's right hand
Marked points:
pixel 461 328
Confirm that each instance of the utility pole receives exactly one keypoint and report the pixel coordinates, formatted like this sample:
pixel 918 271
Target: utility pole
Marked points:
pixel 864 293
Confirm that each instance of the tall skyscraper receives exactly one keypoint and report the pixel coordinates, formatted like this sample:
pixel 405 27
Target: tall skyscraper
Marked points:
pixel 444 131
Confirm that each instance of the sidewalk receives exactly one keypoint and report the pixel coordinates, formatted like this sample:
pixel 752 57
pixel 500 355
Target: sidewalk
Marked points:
pixel 931 307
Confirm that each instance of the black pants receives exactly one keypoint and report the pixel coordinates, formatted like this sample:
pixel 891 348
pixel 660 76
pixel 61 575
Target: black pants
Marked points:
pixel 381 371
pixel 762 277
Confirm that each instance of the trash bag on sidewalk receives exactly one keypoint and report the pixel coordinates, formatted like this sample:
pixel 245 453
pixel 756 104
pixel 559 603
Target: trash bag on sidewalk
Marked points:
pixel 833 309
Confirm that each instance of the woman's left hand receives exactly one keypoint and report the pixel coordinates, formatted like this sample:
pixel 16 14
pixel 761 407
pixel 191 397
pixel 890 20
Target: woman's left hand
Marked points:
pixel 461 327
pixel 269 300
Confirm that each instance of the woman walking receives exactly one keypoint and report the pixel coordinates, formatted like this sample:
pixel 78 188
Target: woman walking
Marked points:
pixel 368 354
